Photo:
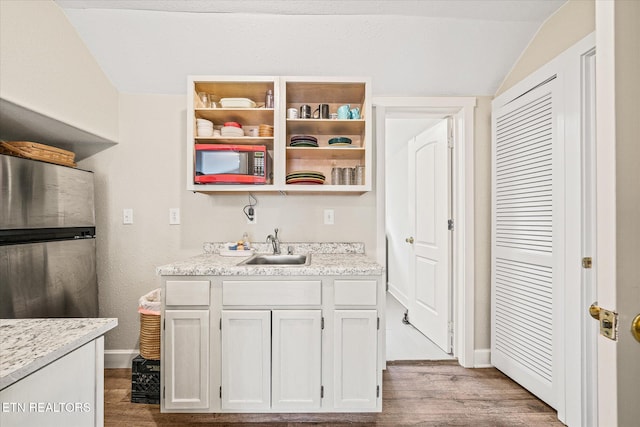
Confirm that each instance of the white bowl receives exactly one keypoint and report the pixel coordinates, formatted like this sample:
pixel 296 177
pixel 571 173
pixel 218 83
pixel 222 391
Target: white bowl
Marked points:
pixel 205 132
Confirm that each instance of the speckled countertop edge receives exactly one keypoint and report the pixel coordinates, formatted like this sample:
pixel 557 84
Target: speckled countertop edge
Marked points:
pixel 298 247
pixel 327 259
pixel 27 345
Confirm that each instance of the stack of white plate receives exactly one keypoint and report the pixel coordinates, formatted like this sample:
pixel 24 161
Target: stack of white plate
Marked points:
pixel 205 127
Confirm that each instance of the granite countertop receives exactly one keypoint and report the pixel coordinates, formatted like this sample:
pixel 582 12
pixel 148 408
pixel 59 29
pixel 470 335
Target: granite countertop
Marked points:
pixel 327 259
pixel 27 345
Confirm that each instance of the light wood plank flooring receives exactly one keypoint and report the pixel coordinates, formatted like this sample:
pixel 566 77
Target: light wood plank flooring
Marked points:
pixel 425 393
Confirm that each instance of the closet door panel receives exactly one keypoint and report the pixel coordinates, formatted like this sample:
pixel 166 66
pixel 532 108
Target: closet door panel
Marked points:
pixel 525 290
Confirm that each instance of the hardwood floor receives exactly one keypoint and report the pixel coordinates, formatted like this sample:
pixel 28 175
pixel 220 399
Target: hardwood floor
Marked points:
pixel 425 393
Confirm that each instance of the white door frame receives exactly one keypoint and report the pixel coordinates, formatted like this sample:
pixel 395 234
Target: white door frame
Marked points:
pixel 462 111
pixel 606 207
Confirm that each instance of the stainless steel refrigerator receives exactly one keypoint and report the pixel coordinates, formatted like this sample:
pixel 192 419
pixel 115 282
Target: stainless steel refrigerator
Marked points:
pixel 47 240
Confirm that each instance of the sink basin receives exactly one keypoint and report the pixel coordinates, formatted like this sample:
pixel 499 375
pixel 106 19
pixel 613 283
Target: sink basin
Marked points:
pixel 261 259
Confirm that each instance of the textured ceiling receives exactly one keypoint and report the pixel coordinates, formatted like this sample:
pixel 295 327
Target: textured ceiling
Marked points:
pixel 408 48
pixel 494 10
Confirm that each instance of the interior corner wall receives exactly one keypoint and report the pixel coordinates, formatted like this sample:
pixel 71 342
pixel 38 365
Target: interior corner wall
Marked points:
pixel 45 67
pixel 482 224
pixel 570 24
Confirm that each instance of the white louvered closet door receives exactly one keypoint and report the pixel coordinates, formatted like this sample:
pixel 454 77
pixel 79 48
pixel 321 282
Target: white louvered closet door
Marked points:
pixel 526 289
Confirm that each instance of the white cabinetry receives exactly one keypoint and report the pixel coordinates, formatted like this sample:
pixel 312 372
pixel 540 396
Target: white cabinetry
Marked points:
pixel 296 364
pixel 273 344
pixel 271 359
pixel 186 359
pixel 246 359
pixel 355 359
pixel 185 373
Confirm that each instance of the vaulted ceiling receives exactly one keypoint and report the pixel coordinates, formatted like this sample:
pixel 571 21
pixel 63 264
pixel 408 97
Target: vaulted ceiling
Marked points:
pixel 408 47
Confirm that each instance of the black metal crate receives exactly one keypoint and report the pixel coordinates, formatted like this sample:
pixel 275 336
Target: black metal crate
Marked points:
pixel 145 380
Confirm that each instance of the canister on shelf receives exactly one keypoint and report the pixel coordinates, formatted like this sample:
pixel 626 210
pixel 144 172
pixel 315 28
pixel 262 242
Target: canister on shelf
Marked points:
pixel 359 175
pixel 336 176
pixel 347 176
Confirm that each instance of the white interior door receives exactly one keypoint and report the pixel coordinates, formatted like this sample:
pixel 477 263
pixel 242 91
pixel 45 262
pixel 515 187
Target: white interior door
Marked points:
pixel 429 207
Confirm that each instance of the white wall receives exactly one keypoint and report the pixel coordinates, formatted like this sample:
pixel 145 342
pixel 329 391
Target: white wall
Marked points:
pixel 146 172
pixel 46 67
pixel 570 24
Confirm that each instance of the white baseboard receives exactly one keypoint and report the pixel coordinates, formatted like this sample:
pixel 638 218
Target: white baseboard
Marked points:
pixel 119 358
pixel 397 294
pixel 482 358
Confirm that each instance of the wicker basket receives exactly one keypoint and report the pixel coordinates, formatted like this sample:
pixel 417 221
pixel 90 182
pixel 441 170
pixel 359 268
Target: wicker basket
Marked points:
pixel 35 151
pixel 150 336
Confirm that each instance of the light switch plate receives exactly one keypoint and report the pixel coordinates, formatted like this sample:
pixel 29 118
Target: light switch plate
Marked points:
pixel 127 216
pixel 174 216
pixel 329 217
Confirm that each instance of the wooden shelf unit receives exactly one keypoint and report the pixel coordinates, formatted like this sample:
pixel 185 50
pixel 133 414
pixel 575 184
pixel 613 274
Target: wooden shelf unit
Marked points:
pixel 289 92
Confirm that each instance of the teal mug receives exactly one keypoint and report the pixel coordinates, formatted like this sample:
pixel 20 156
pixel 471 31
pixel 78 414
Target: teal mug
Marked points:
pixel 354 113
pixel 344 112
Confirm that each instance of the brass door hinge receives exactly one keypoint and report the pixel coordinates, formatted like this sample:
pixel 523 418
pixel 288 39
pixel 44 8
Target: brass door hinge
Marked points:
pixel 587 262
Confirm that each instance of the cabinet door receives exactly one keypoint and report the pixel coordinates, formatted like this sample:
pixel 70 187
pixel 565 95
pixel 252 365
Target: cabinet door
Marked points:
pixel 355 356
pixel 246 359
pixel 186 359
pixel 296 377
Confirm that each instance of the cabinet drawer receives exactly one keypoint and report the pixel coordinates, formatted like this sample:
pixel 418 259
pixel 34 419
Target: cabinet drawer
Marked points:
pixel 266 292
pixel 187 292
pixel 354 292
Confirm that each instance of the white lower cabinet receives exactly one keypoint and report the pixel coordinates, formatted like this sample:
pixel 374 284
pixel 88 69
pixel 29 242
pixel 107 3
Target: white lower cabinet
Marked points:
pixel 296 364
pixel 355 359
pixel 256 344
pixel 271 359
pixel 246 359
pixel 186 359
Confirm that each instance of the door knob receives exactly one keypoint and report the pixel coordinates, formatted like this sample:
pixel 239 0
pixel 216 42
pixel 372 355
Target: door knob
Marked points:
pixel 409 240
pixel 635 328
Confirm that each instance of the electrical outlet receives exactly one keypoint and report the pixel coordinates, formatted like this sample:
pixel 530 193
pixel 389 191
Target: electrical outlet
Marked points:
pixel 255 217
pixel 127 216
pixel 329 217
pixel 174 216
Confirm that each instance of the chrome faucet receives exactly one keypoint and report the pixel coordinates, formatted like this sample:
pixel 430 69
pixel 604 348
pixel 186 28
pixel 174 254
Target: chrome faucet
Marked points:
pixel 274 242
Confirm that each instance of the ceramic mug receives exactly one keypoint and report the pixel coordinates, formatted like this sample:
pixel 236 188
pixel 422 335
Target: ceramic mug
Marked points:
pixel 305 112
pixel 322 112
pixel 354 113
pixel 343 111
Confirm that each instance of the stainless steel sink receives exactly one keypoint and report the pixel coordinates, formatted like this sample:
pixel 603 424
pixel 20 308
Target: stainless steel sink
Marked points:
pixel 280 260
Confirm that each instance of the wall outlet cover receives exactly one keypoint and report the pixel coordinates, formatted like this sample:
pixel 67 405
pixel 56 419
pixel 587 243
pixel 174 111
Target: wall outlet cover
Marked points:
pixel 329 217
pixel 174 216
pixel 127 216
